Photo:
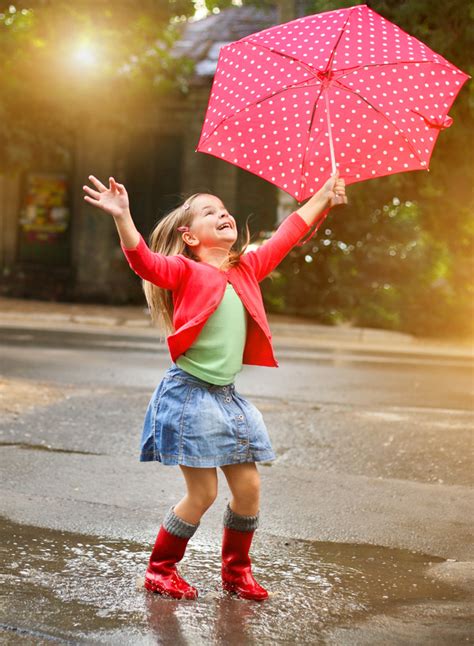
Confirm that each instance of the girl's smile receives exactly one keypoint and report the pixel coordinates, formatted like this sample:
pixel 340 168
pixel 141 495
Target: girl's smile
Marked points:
pixel 213 230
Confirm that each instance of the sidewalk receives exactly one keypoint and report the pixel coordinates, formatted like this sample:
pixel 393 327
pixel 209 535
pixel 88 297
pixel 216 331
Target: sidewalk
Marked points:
pixel 287 331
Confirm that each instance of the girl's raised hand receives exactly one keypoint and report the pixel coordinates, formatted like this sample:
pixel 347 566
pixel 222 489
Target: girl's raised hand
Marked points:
pixel 113 200
pixel 334 191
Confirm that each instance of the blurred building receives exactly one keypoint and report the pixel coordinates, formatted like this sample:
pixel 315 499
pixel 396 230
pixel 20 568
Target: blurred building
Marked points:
pixel 54 245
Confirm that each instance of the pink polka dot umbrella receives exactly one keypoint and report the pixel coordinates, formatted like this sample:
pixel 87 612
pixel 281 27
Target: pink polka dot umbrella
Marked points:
pixel 343 89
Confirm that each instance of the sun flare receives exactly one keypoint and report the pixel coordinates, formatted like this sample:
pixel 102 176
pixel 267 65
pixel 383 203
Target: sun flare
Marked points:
pixel 85 55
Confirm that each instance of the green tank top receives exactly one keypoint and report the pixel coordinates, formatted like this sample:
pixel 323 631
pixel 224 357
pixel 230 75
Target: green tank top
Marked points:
pixel 216 354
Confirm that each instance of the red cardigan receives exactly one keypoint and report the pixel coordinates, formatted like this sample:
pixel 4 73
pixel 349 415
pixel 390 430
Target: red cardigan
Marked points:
pixel 198 288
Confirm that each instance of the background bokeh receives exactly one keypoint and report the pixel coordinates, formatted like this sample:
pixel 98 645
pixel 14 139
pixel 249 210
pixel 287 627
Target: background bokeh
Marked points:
pixel 399 256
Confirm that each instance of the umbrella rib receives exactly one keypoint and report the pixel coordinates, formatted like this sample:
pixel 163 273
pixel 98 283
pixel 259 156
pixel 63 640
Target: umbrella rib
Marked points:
pixel 269 96
pixel 405 136
pixel 303 162
pixel 356 68
pixel 307 67
pixel 331 56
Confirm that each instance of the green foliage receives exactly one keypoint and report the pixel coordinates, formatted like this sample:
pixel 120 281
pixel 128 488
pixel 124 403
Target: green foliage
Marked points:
pixel 212 5
pixel 377 267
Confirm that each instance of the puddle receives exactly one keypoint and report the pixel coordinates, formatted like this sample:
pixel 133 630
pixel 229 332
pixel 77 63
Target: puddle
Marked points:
pixel 72 588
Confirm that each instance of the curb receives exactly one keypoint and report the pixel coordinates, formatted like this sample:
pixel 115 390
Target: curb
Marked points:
pixel 296 341
pixel 289 332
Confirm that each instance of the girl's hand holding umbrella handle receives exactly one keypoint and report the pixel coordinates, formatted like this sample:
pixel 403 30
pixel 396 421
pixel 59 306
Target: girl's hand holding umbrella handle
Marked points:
pixel 332 193
pixel 114 200
pixel 337 193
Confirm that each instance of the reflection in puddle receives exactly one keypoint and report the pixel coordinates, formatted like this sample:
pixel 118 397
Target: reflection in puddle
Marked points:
pixel 79 587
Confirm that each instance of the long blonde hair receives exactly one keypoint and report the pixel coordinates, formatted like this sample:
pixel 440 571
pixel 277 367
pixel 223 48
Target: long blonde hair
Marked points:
pixel 167 240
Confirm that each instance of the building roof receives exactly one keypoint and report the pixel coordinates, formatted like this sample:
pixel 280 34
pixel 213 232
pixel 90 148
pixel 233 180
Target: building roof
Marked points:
pixel 201 40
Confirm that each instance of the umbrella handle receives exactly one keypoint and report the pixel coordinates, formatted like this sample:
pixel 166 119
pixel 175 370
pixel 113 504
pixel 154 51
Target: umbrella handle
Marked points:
pixel 331 144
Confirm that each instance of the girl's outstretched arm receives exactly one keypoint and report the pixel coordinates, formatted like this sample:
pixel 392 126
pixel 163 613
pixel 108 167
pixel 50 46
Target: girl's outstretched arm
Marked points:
pixel 163 271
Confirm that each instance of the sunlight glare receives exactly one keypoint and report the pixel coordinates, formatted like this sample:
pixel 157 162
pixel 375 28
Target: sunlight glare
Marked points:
pixel 85 55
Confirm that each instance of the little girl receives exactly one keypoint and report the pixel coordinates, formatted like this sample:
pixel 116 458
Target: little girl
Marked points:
pixel 206 292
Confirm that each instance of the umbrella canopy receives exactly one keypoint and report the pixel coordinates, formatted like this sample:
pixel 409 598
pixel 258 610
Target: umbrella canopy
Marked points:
pixel 346 89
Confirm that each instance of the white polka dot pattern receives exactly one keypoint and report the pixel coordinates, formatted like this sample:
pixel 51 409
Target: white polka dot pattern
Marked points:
pixel 388 94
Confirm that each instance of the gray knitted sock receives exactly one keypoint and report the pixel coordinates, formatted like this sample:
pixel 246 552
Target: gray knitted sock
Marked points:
pixel 241 523
pixel 177 526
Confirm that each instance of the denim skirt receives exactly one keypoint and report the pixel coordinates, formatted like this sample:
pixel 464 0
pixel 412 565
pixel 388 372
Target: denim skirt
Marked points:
pixel 192 422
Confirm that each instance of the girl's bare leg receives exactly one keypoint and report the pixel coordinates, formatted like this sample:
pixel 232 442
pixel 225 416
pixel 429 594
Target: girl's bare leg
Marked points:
pixel 244 484
pixel 201 484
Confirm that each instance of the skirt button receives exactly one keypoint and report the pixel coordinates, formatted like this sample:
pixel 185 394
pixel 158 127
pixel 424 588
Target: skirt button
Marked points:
pixel 228 399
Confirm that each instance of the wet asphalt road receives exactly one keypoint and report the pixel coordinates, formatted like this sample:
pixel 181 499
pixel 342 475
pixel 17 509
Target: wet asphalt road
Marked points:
pixel 332 376
pixel 365 528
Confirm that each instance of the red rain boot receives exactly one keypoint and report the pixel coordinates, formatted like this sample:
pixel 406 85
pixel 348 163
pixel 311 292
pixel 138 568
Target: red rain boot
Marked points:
pixel 161 575
pixel 237 574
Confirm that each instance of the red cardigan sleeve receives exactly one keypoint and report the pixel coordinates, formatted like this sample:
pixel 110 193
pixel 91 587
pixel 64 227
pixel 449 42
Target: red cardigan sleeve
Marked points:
pixel 163 271
pixel 269 255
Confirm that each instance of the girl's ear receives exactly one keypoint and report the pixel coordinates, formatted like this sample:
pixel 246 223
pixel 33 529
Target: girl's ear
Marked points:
pixel 190 239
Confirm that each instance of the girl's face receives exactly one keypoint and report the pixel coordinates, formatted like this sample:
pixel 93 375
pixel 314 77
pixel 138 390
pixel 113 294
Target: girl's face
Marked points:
pixel 212 225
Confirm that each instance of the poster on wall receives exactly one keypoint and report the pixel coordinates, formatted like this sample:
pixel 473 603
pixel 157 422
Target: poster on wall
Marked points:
pixel 45 214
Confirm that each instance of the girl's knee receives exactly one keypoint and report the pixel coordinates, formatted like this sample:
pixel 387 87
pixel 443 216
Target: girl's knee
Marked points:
pixel 201 486
pixel 248 487
pixel 203 498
